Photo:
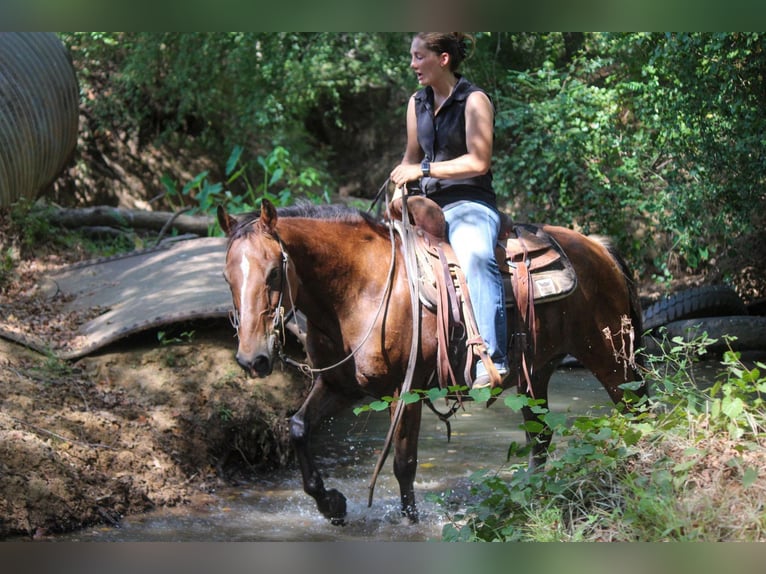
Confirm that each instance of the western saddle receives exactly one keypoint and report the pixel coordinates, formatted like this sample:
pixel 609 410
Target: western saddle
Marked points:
pixel 534 268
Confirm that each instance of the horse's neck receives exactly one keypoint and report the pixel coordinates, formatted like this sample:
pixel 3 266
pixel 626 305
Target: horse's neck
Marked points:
pixel 330 259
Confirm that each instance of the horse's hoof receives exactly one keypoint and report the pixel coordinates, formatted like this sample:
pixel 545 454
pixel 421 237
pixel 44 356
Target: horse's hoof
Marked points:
pixel 411 514
pixel 335 508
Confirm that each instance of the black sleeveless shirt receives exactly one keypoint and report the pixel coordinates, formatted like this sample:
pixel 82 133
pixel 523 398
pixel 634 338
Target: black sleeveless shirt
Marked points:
pixel 442 137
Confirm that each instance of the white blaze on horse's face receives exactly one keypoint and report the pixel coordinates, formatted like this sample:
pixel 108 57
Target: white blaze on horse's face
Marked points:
pixel 244 267
pixel 251 295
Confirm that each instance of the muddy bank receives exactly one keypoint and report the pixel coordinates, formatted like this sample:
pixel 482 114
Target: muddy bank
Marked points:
pixel 143 424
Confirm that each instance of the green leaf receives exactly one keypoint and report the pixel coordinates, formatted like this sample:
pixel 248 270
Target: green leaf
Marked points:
pixel 632 385
pixel 554 420
pixel 379 405
pixel 516 402
pixel 480 395
pixel 732 407
pixel 516 450
pixel 604 433
pixel 231 163
pixel 684 465
pixel 749 476
pixel 235 175
pixel 533 426
pixel 169 183
pixel 410 397
pixel 435 394
pixel 194 182
pixel 276 176
pixel 631 436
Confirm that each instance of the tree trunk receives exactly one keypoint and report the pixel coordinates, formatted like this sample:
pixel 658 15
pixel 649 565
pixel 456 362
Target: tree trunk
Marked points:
pixel 103 216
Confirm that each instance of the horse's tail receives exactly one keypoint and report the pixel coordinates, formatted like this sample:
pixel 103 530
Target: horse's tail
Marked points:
pixel 636 315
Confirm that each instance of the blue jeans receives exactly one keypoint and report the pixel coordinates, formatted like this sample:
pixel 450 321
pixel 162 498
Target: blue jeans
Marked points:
pixel 472 229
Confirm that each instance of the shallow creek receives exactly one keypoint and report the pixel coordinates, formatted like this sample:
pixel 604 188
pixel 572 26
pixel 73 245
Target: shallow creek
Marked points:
pixel 275 508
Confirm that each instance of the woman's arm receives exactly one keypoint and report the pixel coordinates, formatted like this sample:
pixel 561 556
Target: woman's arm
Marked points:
pixel 409 169
pixel 479 119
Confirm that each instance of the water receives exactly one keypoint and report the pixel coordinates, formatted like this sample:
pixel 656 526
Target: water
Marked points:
pixel 276 508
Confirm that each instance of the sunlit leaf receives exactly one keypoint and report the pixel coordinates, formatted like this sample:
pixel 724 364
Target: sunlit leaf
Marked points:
pixel 435 394
pixel 480 395
pixel 379 405
pixel 516 402
pixel 749 476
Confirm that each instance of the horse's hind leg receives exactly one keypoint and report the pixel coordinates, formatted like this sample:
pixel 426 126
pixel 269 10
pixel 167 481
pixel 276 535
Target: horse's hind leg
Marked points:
pixel 538 440
pixel 406 457
pixel 320 403
pixel 612 369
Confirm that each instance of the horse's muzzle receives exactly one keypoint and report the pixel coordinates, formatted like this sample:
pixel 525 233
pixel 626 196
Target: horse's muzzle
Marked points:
pixel 259 366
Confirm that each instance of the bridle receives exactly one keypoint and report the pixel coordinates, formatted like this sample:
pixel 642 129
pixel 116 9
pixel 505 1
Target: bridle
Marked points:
pixel 276 305
pixel 277 308
pixel 281 318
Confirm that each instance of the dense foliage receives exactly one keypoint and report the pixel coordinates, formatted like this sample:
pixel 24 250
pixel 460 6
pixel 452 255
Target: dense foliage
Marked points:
pixel 654 139
pixel 662 473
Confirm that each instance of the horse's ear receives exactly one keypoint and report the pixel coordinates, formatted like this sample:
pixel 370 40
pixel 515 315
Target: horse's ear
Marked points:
pixel 226 221
pixel 268 214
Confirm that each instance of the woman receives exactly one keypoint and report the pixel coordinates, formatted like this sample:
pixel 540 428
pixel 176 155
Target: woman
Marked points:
pixel 449 149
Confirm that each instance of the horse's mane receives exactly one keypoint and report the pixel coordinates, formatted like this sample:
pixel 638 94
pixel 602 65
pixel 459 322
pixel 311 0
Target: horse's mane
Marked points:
pixel 304 209
pixel 331 212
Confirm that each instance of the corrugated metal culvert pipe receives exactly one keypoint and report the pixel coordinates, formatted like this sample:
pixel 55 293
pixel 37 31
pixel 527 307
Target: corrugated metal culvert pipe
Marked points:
pixel 39 99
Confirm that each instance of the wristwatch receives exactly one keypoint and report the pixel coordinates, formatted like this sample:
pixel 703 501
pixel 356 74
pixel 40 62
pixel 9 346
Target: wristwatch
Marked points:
pixel 425 167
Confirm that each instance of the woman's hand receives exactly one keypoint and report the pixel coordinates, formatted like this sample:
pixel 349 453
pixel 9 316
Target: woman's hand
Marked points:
pixel 405 172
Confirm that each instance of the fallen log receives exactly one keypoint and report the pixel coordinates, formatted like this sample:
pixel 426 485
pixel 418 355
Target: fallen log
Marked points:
pixel 105 216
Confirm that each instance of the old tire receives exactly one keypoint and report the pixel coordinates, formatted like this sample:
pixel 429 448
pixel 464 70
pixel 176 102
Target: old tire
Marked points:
pixel 705 301
pixel 750 333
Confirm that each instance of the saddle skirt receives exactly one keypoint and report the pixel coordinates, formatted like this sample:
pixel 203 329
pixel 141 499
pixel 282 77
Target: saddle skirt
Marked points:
pixel 552 274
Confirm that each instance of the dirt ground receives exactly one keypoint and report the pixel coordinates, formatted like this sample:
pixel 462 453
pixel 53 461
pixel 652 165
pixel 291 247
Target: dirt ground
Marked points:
pixel 158 419
pixel 137 426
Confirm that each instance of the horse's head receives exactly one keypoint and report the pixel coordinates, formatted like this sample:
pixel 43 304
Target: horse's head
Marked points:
pixel 259 276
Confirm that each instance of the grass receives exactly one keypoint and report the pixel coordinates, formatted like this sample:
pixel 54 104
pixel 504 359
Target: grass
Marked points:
pixel 687 467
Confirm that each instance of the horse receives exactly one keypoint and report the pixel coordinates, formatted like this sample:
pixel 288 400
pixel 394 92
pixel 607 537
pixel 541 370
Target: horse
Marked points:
pixel 343 270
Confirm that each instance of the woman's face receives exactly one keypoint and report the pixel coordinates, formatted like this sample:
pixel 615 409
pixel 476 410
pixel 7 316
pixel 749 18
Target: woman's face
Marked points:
pixel 426 63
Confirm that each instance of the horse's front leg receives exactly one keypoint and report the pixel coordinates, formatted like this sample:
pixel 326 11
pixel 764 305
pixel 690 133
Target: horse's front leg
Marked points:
pixel 406 457
pixel 320 403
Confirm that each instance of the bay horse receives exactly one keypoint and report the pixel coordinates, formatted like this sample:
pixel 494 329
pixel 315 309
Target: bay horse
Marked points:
pixel 341 268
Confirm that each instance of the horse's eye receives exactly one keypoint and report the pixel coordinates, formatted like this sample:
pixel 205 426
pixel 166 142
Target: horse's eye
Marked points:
pixel 273 278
